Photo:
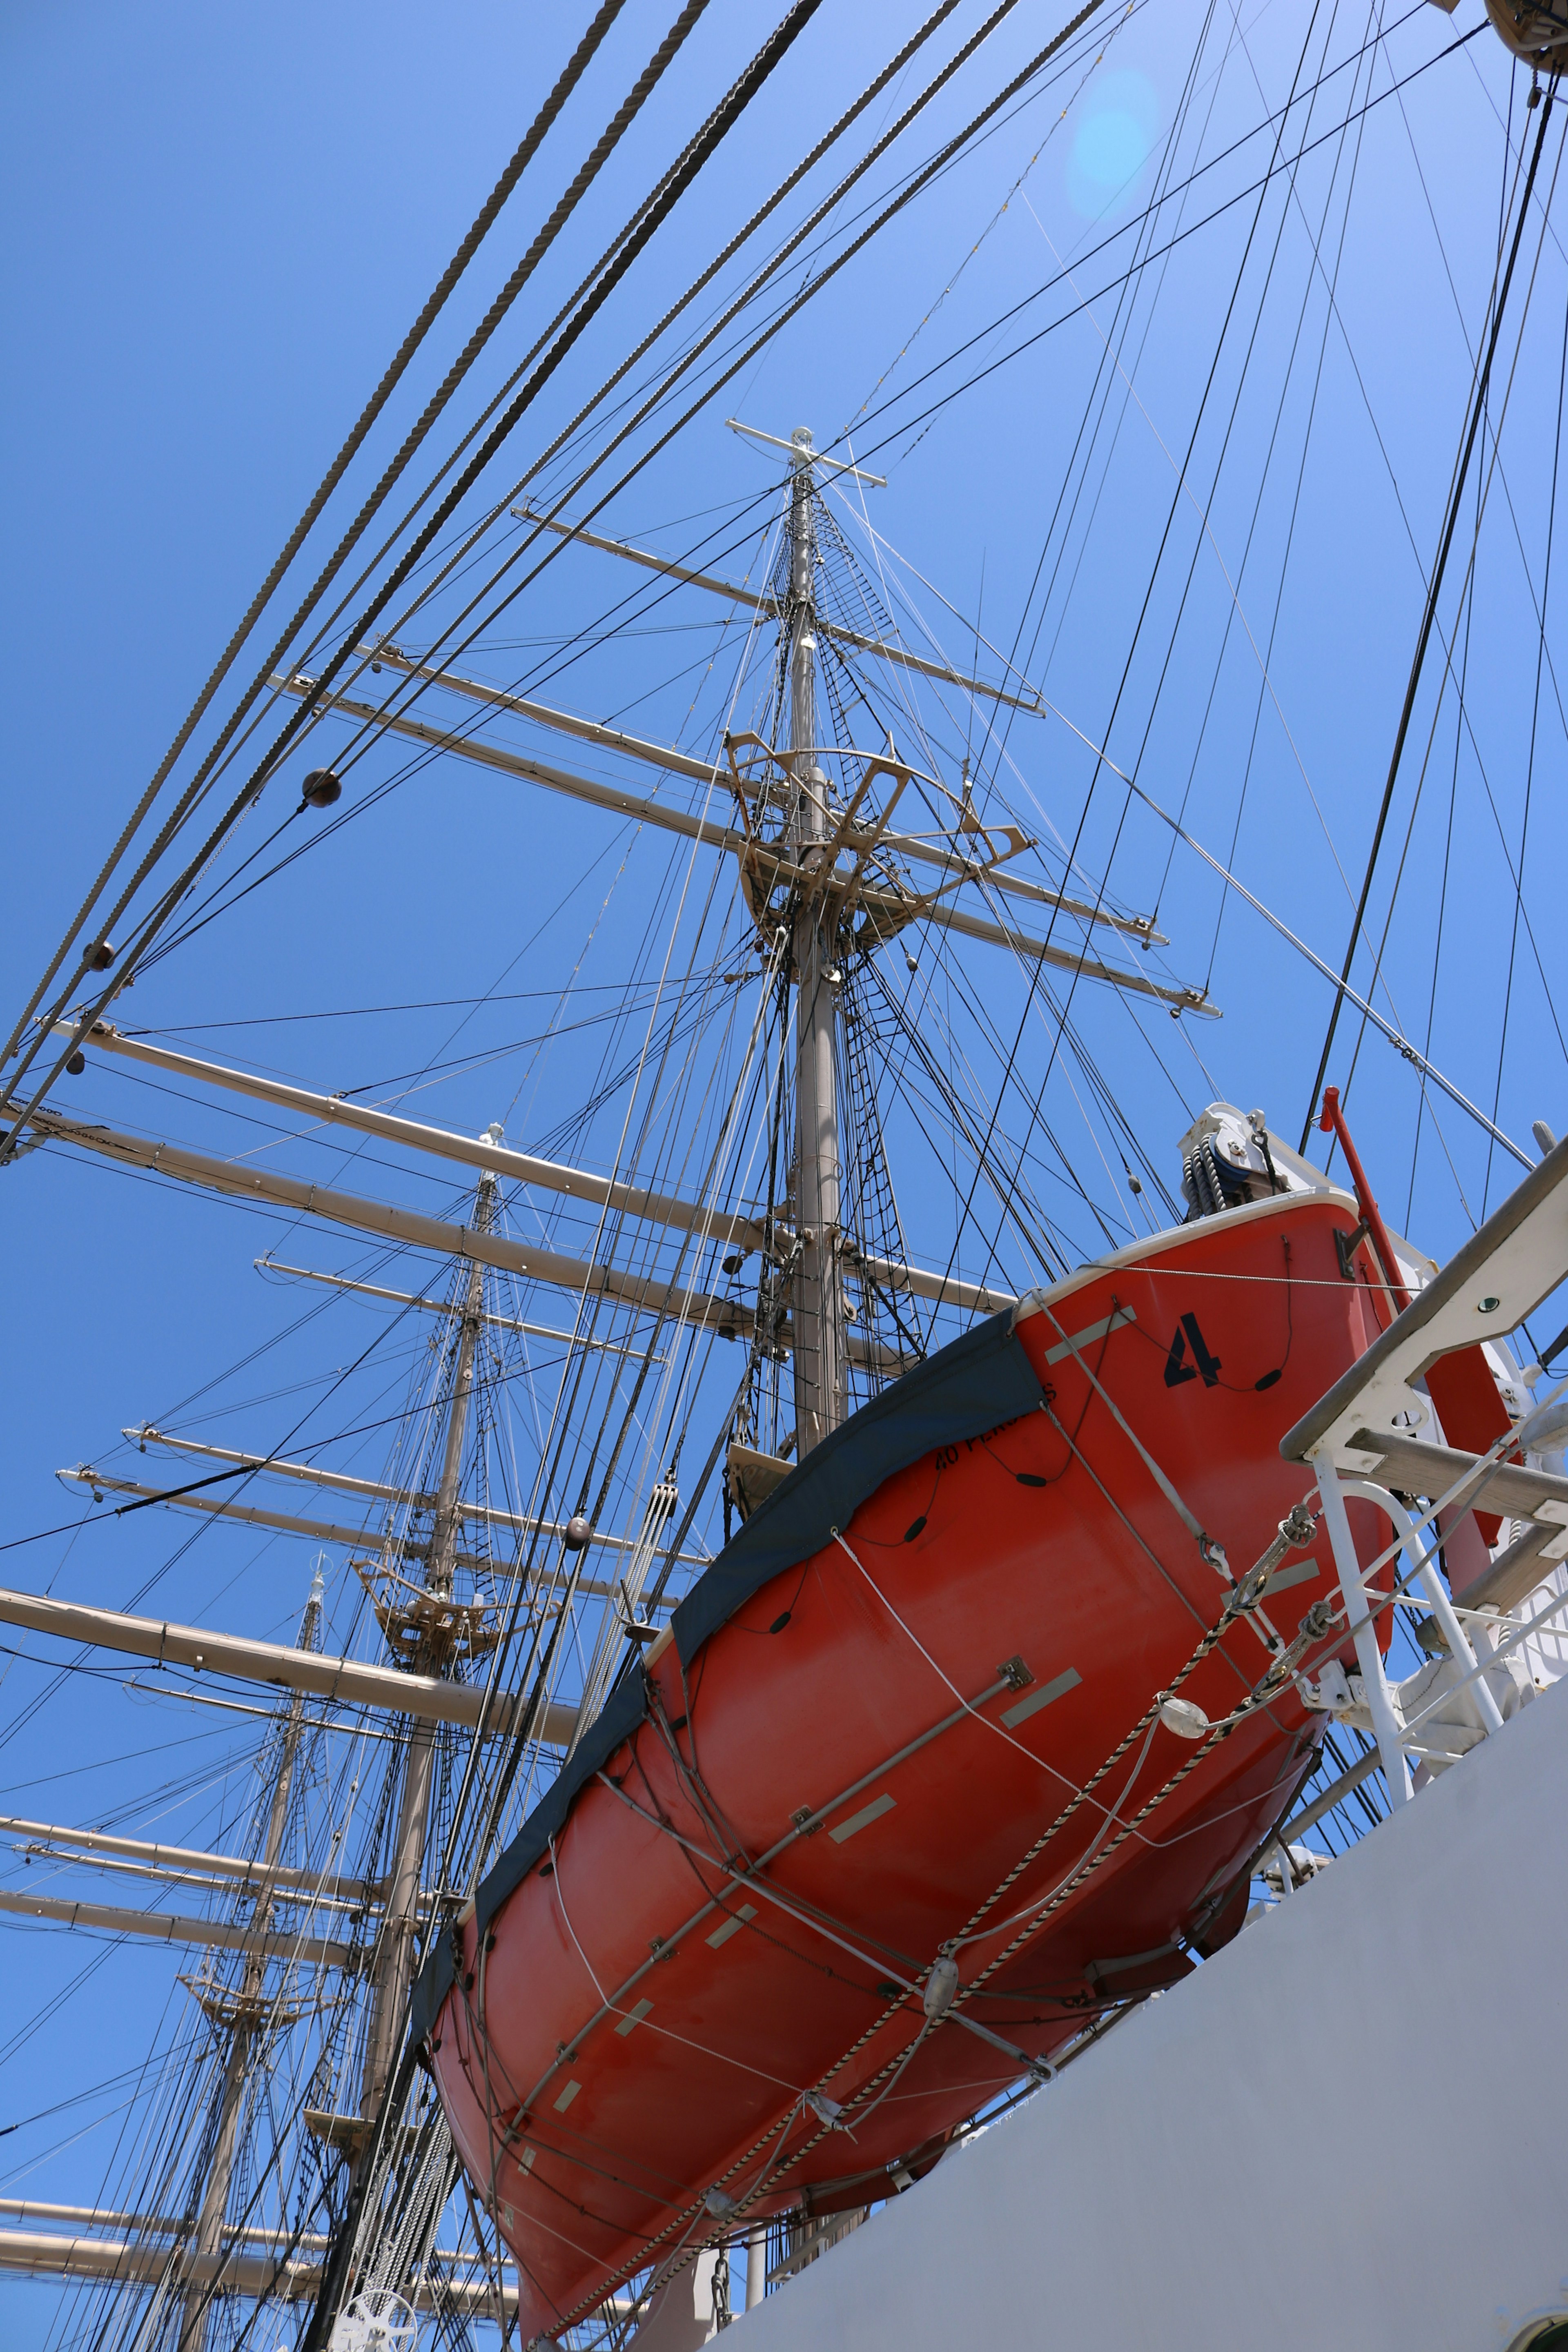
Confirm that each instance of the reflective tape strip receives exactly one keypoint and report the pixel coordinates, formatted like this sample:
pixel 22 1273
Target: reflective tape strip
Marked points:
pixel 632 2017
pixel 1036 1699
pixel 1087 1339
pixel 732 1926
pixel 1300 1571
pixel 871 1813
pixel 567 2095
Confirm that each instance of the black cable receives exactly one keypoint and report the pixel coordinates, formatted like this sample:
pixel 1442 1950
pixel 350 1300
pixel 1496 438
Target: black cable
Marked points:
pixel 565 83
pixel 630 106
pixel 1429 611
pixel 1142 614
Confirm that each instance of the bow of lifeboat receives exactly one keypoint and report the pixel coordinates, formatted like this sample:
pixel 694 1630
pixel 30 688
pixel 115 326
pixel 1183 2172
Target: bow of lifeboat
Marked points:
pixel 889 1813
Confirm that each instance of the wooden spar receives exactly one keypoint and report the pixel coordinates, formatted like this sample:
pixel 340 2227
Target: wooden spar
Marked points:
pixel 45 2253
pixel 428 1305
pixel 248 2233
pixel 404 1225
pixel 191 1881
pixel 659 1208
pixel 394 1955
pixel 167 1928
pixel 1032 701
pixel 818 1291
pixel 324 1531
pixel 473 1152
pixel 346 1682
pixel 701 771
pixel 339 1480
pixel 174 1858
pixel 896 912
pixel 241 2017
pixel 247 1515
pixel 37 2208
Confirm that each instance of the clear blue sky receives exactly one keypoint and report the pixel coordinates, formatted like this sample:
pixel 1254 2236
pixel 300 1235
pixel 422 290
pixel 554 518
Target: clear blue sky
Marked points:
pixel 219 222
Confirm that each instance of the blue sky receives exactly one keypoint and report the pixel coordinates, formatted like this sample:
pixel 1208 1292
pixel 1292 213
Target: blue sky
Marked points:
pixel 220 224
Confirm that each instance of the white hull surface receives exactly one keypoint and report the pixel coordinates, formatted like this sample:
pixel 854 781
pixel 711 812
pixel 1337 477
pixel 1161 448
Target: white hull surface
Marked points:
pixel 1347 2128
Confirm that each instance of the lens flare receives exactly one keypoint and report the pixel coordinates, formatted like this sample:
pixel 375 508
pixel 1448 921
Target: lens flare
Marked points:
pixel 1113 143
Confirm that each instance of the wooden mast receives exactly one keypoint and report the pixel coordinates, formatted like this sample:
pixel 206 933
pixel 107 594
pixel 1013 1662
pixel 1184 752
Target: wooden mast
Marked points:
pixel 243 2015
pixel 820 1399
pixel 396 1955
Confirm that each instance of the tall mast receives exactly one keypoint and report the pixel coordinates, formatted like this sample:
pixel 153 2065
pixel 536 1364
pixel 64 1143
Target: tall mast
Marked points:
pixel 245 2013
pixel 395 1965
pixel 820 1399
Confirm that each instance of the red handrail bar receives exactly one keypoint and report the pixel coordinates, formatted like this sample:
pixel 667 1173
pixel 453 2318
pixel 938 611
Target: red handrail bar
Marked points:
pixel 1332 1122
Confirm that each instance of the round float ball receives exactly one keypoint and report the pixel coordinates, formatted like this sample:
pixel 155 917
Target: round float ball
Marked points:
pixel 579 1534
pixel 101 956
pixel 76 1065
pixel 321 788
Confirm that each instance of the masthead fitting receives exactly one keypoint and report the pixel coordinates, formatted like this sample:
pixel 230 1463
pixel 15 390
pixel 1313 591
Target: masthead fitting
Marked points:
pixel 807 453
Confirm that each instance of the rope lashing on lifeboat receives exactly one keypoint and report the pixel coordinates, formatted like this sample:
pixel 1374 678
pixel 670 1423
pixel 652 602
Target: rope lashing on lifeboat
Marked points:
pixel 1294 1531
pixel 1034 1917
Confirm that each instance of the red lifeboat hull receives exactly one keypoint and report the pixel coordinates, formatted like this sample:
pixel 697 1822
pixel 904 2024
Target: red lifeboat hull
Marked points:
pixel 826 1773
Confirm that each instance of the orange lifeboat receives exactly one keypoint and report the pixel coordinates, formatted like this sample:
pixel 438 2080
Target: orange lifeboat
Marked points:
pixel 891 1813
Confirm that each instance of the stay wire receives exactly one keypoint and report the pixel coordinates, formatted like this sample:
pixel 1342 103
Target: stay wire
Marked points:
pixel 1485 478
pixel 566 82
pixel 1429 610
pixel 695 156
pixel 1101 758
pixel 1530 767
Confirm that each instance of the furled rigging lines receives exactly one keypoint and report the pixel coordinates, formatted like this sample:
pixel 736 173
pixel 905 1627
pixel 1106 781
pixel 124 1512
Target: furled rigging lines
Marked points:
pixel 698 151
pixel 565 83
pixel 913 187
pixel 1134 222
pixel 1451 515
pixel 705 140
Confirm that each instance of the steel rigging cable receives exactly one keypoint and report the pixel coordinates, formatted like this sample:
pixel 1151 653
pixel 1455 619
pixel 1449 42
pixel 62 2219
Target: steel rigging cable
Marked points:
pixel 912 187
pixel 872 89
pixel 605 287
pixel 1101 757
pixel 733 310
pixel 1429 611
pixel 194 790
pixel 565 83
pixel 696 154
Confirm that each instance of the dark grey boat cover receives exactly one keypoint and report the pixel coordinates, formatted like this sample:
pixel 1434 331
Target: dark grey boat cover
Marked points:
pixel 971 1386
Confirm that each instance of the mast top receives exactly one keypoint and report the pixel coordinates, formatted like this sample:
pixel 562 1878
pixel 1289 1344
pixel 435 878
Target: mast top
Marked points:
pixel 803 451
